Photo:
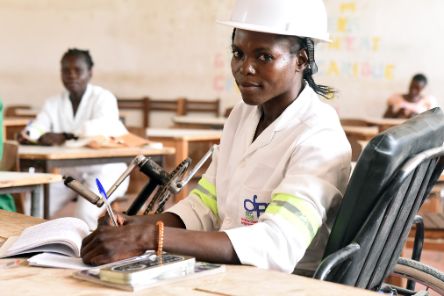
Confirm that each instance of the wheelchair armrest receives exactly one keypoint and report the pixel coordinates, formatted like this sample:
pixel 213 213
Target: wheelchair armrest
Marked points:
pixel 334 259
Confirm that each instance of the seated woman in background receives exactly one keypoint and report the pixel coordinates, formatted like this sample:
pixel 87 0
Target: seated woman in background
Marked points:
pixel 83 110
pixel 412 103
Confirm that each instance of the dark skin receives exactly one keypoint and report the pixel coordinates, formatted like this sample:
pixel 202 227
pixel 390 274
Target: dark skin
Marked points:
pixel 414 95
pixel 272 89
pixel 268 76
pixel 75 74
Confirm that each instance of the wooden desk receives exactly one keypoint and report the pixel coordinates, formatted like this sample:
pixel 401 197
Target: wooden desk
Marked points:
pixel 200 122
pixel 47 159
pixel 358 137
pixel 180 140
pixel 26 113
pixel 384 123
pixel 15 182
pixel 15 121
pixel 364 133
pixel 13 125
pixel 237 280
pixel 218 122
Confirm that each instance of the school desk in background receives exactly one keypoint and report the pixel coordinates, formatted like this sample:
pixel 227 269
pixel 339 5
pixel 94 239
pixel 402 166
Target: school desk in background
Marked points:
pixel 48 159
pixel 192 143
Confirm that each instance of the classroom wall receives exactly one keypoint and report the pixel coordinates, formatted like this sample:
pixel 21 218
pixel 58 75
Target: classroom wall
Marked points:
pixel 163 49
pixel 167 49
pixel 377 47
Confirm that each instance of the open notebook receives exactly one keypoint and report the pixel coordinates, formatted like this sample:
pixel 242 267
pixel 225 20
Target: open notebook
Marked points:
pixel 59 241
pixel 60 236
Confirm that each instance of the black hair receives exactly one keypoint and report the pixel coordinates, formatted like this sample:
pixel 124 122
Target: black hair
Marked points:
pixel 420 78
pixel 308 45
pixel 84 54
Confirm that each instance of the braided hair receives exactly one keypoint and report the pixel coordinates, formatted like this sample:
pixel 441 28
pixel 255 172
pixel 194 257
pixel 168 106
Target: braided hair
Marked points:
pixel 308 44
pixel 84 54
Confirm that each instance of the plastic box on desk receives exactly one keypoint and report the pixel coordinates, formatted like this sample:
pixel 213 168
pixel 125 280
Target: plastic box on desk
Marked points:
pixel 163 277
pixel 148 267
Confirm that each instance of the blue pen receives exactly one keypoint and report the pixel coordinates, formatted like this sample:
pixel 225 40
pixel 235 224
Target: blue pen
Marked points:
pixel 105 200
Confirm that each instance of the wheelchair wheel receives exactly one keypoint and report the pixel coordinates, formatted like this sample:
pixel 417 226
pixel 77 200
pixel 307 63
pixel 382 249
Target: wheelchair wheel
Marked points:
pixel 428 276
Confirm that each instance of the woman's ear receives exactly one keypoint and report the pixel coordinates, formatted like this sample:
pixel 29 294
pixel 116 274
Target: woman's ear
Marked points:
pixel 302 60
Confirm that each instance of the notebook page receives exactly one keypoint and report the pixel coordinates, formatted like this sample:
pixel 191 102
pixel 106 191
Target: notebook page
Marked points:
pixel 67 231
pixel 55 260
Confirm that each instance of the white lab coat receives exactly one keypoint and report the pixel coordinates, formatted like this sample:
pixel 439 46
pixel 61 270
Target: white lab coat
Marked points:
pixel 303 153
pixel 97 114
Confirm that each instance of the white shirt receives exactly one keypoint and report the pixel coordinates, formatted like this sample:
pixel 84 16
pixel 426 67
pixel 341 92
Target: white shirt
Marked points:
pixel 303 153
pixel 97 114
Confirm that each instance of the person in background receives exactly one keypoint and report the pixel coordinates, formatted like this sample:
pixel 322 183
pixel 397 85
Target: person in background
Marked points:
pixel 271 192
pixel 412 103
pixel 83 110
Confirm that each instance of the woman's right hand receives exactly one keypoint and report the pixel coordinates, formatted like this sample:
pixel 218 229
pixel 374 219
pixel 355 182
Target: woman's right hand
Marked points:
pixel 24 139
pixel 121 218
pixel 108 244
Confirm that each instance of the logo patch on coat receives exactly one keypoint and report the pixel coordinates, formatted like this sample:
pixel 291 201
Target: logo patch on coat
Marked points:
pixel 253 210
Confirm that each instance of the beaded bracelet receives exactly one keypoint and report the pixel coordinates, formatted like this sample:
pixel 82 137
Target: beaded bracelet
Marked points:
pixel 160 227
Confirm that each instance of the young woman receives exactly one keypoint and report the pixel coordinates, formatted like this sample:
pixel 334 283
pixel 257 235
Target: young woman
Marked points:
pixel 412 103
pixel 271 191
pixel 82 110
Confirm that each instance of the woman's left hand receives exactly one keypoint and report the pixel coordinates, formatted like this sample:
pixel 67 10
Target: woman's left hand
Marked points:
pixel 109 243
pixel 50 139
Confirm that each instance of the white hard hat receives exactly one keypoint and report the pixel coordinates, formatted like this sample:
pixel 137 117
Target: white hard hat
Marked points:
pixel 303 18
